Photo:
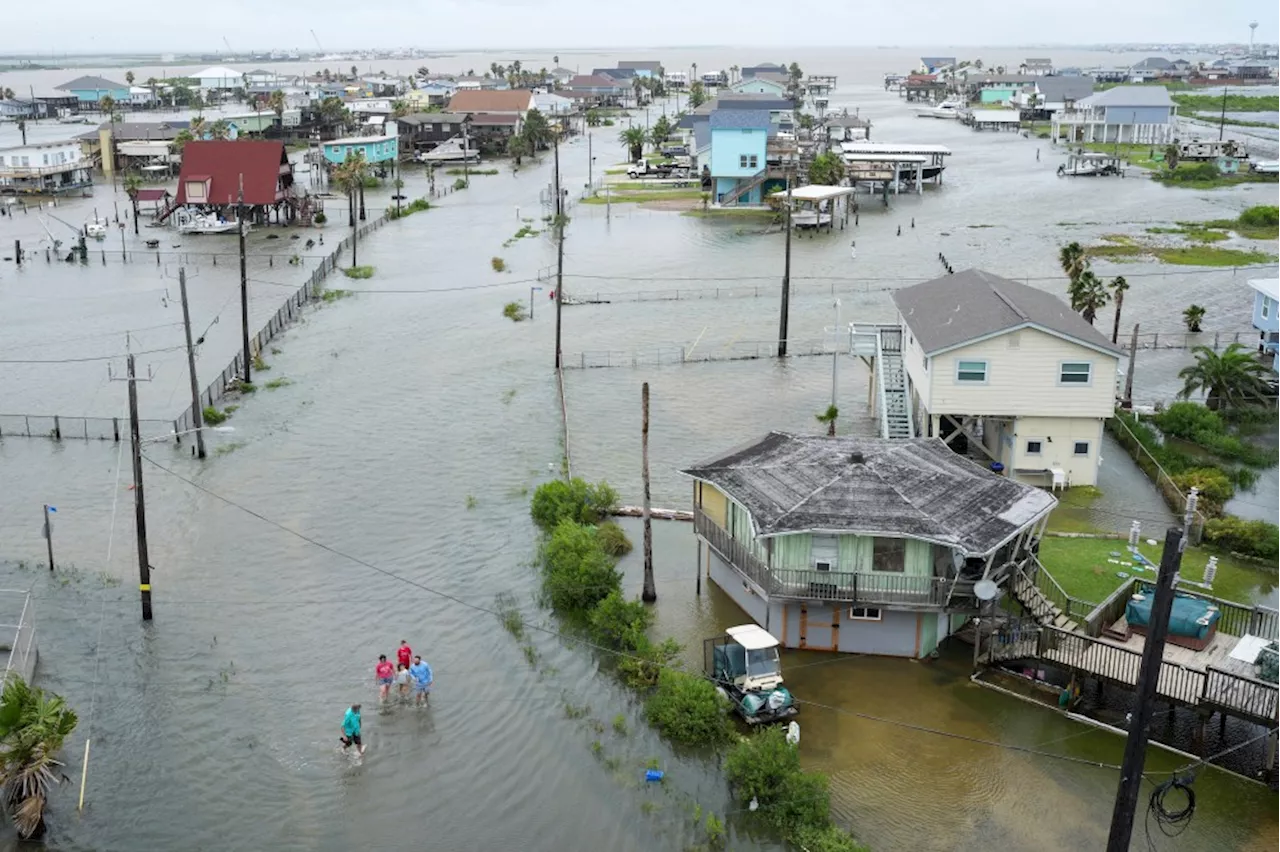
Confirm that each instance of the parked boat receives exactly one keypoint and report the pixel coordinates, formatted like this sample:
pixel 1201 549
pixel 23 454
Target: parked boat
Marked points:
pixel 950 108
pixel 192 222
pixel 97 229
pixel 1091 165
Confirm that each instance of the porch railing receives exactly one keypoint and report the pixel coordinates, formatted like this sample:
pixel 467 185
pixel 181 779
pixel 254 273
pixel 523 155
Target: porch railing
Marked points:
pixel 853 587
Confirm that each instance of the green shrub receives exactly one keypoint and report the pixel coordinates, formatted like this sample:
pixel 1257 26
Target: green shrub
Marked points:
pixel 687 709
pixel 1192 174
pixel 498 264
pixel 1215 487
pixel 1253 538
pixel 514 311
pixel 1194 422
pixel 577 573
pixel 460 183
pixel 1261 216
pixel 830 838
pixel 766 767
pixel 358 272
pixel 642 667
pixel 320 218
pixel 618 623
pixel 613 539
pixel 575 500
pixel 212 416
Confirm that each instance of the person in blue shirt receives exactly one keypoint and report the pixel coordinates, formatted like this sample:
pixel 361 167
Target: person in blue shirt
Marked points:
pixel 422 680
pixel 351 729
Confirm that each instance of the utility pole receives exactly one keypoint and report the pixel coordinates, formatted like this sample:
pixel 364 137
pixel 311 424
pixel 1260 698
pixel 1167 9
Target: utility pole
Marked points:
pixel 650 593
pixel 139 504
pixel 197 415
pixel 559 248
pixel 48 532
pixel 786 280
pixel 835 370
pixel 1135 747
pixel 466 155
pixel 1127 402
pixel 244 282
pixel 590 162
pixel 1222 123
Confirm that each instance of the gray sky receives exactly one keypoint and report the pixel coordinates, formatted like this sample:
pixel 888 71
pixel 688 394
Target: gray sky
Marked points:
pixel 577 24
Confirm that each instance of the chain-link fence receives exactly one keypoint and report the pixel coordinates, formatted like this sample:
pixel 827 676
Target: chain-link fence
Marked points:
pixel 743 350
pixel 57 427
pixel 1215 340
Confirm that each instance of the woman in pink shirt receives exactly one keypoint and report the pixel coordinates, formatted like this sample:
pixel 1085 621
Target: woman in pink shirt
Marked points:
pixel 386 674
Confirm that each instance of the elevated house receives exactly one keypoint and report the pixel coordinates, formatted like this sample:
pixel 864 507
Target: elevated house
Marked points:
pixel 596 89
pixel 16 108
pixel 490 131
pixel 515 102
pixel 142 144
pixel 214 173
pixel 862 545
pixel 1003 371
pixel 89 91
pixel 550 103
pixel 935 64
pixel 376 148
pixel 425 131
pixel 1036 66
pixel 759 85
pixel 998 88
pixel 764 68
pixel 1149 69
pixel 431 93
pixel 1266 317
pixel 219 80
pixel 1050 95
pixel 1140 114
pixel 746 158
pixel 643 68
pixel 847 128
pixel 44 168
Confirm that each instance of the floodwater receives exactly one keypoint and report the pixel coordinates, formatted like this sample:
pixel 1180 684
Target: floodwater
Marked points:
pixel 413 429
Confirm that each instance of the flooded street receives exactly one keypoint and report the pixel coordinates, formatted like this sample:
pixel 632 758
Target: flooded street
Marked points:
pixel 415 424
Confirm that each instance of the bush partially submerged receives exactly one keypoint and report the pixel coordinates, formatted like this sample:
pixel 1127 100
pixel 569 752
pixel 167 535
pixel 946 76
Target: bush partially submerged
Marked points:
pixel 619 623
pixel 1252 538
pixel 576 500
pixel 689 710
pixel 613 539
pixel 766 767
pixel 577 573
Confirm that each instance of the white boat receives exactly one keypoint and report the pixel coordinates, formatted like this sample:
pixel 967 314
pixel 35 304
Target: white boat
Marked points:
pixel 192 222
pixel 950 108
pixel 97 229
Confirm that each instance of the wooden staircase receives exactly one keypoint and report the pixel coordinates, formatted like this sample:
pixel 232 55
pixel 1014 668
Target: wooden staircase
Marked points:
pixel 1034 601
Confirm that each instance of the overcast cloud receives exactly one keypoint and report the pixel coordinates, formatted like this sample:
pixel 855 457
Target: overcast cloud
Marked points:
pixel 573 24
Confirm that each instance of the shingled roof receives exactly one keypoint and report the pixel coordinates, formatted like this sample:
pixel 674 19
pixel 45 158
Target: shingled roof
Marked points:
pixel 957 309
pixel 224 162
pixel 913 488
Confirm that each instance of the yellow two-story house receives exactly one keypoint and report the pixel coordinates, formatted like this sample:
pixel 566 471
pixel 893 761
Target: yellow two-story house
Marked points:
pixel 1010 370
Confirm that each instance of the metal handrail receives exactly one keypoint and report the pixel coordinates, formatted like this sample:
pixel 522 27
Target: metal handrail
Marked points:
pixel 880 375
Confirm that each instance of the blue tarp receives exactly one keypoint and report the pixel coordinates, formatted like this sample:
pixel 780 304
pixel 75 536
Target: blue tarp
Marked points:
pixel 1185 620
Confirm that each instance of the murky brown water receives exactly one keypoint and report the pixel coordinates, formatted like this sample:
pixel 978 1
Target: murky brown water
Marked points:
pixel 402 405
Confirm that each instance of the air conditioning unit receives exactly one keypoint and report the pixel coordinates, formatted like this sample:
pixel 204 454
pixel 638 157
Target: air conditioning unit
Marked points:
pixel 821 565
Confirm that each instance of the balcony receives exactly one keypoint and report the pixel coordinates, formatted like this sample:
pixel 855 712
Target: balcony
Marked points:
pixel 853 588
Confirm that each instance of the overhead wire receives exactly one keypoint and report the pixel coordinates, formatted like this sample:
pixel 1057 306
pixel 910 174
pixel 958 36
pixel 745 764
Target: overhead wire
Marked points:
pixel 588 644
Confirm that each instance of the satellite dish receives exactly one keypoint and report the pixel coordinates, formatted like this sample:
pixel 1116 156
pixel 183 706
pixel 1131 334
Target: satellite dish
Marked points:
pixel 985 590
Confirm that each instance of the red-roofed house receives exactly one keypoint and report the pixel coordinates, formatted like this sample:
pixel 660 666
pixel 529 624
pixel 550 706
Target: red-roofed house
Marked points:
pixel 508 101
pixel 213 173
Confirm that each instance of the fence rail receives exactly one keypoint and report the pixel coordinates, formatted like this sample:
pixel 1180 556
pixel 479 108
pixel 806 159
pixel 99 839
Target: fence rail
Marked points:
pixel 59 427
pixel 21 657
pixel 748 350
pixel 1215 340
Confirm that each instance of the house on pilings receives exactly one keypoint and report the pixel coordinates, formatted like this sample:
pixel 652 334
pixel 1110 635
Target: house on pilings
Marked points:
pixel 214 173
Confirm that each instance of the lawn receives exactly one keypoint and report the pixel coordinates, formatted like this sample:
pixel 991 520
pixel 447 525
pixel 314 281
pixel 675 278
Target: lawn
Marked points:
pixel 1144 156
pixel 652 195
pixel 1081 566
pixel 740 212
pixel 1122 248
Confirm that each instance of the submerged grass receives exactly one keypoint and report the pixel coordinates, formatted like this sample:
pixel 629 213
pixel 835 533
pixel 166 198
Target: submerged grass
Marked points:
pixel 1121 248
pixel 358 272
pixel 648 195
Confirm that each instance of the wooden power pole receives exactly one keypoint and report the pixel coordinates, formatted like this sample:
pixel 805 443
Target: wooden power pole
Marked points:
pixel 244 283
pixel 559 208
pixel 786 280
pixel 1135 747
pixel 139 504
pixel 197 415
pixel 1127 402
pixel 650 593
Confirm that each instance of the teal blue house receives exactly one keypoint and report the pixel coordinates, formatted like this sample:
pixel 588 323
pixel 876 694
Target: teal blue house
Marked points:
pixel 384 148
pixel 739 141
pixel 91 90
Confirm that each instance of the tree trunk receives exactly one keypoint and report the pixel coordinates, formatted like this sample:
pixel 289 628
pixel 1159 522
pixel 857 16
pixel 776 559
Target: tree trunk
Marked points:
pixel 650 594
pixel 831 428
pixel 1115 329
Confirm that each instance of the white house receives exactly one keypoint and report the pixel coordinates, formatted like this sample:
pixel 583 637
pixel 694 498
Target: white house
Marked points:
pixel 371 106
pixel 1141 114
pixel 549 103
pixel 1010 370
pixel 262 77
pixel 44 168
pixel 141 96
pixel 1054 94
pixel 219 78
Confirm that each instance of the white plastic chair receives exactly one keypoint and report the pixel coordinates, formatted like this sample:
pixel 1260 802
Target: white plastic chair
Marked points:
pixel 1060 479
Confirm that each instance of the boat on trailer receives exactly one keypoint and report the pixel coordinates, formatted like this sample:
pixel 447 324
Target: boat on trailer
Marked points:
pixel 1091 165
pixel 194 222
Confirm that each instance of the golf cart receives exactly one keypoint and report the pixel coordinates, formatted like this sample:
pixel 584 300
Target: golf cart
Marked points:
pixel 744 666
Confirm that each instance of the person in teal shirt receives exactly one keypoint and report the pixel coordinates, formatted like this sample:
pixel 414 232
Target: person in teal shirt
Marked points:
pixel 422 677
pixel 351 729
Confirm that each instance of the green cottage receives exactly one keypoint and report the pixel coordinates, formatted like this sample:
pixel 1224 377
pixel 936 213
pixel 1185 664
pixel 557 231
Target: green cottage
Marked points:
pixel 864 545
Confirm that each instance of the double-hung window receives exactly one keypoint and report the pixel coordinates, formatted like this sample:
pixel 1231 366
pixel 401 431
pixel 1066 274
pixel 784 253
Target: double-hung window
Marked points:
pixel 1075 373
pixel 971 372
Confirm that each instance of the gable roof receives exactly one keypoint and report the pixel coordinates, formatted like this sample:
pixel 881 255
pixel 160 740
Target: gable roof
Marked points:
pixel 614 73
pixel 957 309
pixel 1266 286
pixel 493 119
pixel 938 61
pixel 1153 63
pixel 416 118
pixel 491 100
pixel 91 84
pixel 753 100
pixel 1056 89
pixel 901 488
pixel 593 81
pixel 642 65
pixel 1003 78
pixel 218 72
pixel 132 131
pixel 1130 96
pixel 740 119
pixel 223 162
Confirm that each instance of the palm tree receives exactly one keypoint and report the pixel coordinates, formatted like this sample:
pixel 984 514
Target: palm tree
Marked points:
pixel 220 129
pixel 1073 259
pixel 6 94
pixel 276 101
pixel 829 417
pixel 1233 379
pixel 424 72
pixel 129 78
pixel 659 132
pixel 132 183
pixel 637 89
pixel 518 148
pixel 537 130
pixel 33 727
pixel 633 138
pixel 1171 154
pixel 1118 288
pixel 350 177
pixel 106 104
pixel 1089 295
pixel 1192 317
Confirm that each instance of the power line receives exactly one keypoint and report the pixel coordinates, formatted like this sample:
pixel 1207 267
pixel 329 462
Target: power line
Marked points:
pixel 89 359
pixel 609 651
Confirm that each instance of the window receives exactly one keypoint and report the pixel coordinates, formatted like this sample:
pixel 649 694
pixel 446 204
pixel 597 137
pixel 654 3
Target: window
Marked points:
pixel 446 127
pixel 1075 373
pixel 1034 446
pixel 971 371
pixel 864 613
pixel 822 565
pixel 754 162
pixel 1266 307
pixel 1080 448
pixel 742 161
pixel 889 554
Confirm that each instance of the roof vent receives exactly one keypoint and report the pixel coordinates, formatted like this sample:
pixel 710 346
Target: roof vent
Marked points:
pixel 856 458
